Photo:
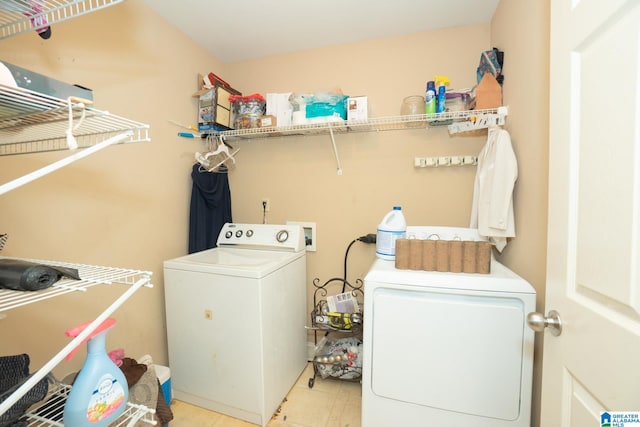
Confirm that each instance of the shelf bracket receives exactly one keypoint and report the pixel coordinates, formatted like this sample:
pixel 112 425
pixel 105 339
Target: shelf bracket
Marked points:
pixel 335 149
pixel 11 185
pixel 483 120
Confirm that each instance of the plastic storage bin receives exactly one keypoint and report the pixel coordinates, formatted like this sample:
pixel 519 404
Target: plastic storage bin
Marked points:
pixel 456 101
pixel 164 376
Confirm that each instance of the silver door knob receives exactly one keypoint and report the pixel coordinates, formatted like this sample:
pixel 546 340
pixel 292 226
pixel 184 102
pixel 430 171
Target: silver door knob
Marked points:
pixel 537 322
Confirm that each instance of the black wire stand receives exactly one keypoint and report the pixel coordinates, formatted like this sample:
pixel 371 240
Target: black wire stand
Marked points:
pixel 329 362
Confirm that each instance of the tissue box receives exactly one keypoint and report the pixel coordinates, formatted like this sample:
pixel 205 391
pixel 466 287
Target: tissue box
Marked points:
pixel 332 105
pixel 278 105
pixel 357 108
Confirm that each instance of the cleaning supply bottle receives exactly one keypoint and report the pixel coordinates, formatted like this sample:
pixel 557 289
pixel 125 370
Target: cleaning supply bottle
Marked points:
pixel 441 87
pixel 100 391
pixel 430 98
pixel 392 227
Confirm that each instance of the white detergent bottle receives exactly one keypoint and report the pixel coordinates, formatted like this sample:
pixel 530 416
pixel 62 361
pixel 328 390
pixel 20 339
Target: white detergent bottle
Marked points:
pixel 392 227
pixel 100 392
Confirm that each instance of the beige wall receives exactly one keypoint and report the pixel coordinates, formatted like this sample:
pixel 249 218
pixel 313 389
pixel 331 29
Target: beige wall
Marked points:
pixel 299 176
pixel 128 206
pixel 522 31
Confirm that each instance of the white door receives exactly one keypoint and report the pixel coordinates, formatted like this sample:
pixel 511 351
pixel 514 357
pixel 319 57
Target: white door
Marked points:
pixel 593 273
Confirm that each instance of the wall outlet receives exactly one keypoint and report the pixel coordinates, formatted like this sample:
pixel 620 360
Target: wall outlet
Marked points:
pixel 266 204
pixel 309 233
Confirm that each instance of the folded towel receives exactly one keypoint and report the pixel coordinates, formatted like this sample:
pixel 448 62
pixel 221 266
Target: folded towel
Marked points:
pixel 27 276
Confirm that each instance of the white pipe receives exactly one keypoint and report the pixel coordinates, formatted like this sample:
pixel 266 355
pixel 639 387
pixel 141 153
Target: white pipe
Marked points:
pixel 335 149
pixel 11 185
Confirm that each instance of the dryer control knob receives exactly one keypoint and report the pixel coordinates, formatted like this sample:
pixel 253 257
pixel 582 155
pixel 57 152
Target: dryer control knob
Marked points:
pixel 282 236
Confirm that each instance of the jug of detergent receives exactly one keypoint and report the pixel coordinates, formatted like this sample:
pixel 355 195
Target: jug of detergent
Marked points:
pixel 392 227
pixel 100 391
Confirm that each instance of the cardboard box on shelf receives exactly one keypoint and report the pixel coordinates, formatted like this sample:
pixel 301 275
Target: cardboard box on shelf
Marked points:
pixel 214 107
pixel 268 121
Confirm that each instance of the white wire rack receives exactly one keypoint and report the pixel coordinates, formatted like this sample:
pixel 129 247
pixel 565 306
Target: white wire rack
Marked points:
pixel 32 122
pixel 414 121
pixel 457 121
pixel 91 275
pixel 50 411
pixel 19 16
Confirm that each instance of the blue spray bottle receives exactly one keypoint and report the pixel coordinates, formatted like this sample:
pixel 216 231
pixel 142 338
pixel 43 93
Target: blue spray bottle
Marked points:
pixel 100 392
pixel 441 87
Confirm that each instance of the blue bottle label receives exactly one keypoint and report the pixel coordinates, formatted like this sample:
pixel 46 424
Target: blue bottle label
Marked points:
pixel 106 399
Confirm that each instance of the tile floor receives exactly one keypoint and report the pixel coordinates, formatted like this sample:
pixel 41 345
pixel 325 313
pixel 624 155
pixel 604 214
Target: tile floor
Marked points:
pixel 330 403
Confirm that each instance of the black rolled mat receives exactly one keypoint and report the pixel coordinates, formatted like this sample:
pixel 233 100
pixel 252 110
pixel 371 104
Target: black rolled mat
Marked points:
pixel 22 275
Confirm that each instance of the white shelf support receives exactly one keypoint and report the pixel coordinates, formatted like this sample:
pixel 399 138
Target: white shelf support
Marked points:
pixel 11 185
pixel 480 121
pixel 335 149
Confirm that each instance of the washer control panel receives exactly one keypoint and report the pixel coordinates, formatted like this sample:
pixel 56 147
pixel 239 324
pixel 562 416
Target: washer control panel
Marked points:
pixel 262 236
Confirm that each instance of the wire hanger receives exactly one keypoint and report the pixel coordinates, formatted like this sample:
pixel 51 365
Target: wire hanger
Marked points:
pixel 209 162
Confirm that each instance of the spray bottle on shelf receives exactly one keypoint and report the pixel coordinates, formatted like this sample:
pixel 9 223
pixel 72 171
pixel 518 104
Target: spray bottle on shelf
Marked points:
pixel 430 98
pixel 392 227
pixel 100 392
pixel 441 89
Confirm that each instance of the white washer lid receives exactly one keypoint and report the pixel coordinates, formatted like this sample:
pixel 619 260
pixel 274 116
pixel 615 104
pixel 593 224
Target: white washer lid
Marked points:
pixel 250 263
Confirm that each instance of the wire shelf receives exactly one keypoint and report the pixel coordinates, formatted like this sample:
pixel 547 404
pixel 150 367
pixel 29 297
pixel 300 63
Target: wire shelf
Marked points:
pixel 32 122
pixel 91 276
pixel 17 17
pixel 484 118
pixel 50 411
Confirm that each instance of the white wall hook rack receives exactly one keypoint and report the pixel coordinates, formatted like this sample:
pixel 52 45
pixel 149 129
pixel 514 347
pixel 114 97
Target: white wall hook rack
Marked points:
pixel 434 162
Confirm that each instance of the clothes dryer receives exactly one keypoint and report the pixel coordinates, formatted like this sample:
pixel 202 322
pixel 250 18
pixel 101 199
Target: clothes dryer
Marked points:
pixel 236 318
pixel 446 349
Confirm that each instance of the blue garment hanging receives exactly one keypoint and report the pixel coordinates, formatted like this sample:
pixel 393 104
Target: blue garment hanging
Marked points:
pixel 210 208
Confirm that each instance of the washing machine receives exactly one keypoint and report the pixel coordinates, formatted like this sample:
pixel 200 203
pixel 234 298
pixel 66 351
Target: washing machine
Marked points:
pixel 236 318
pixel 446 349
